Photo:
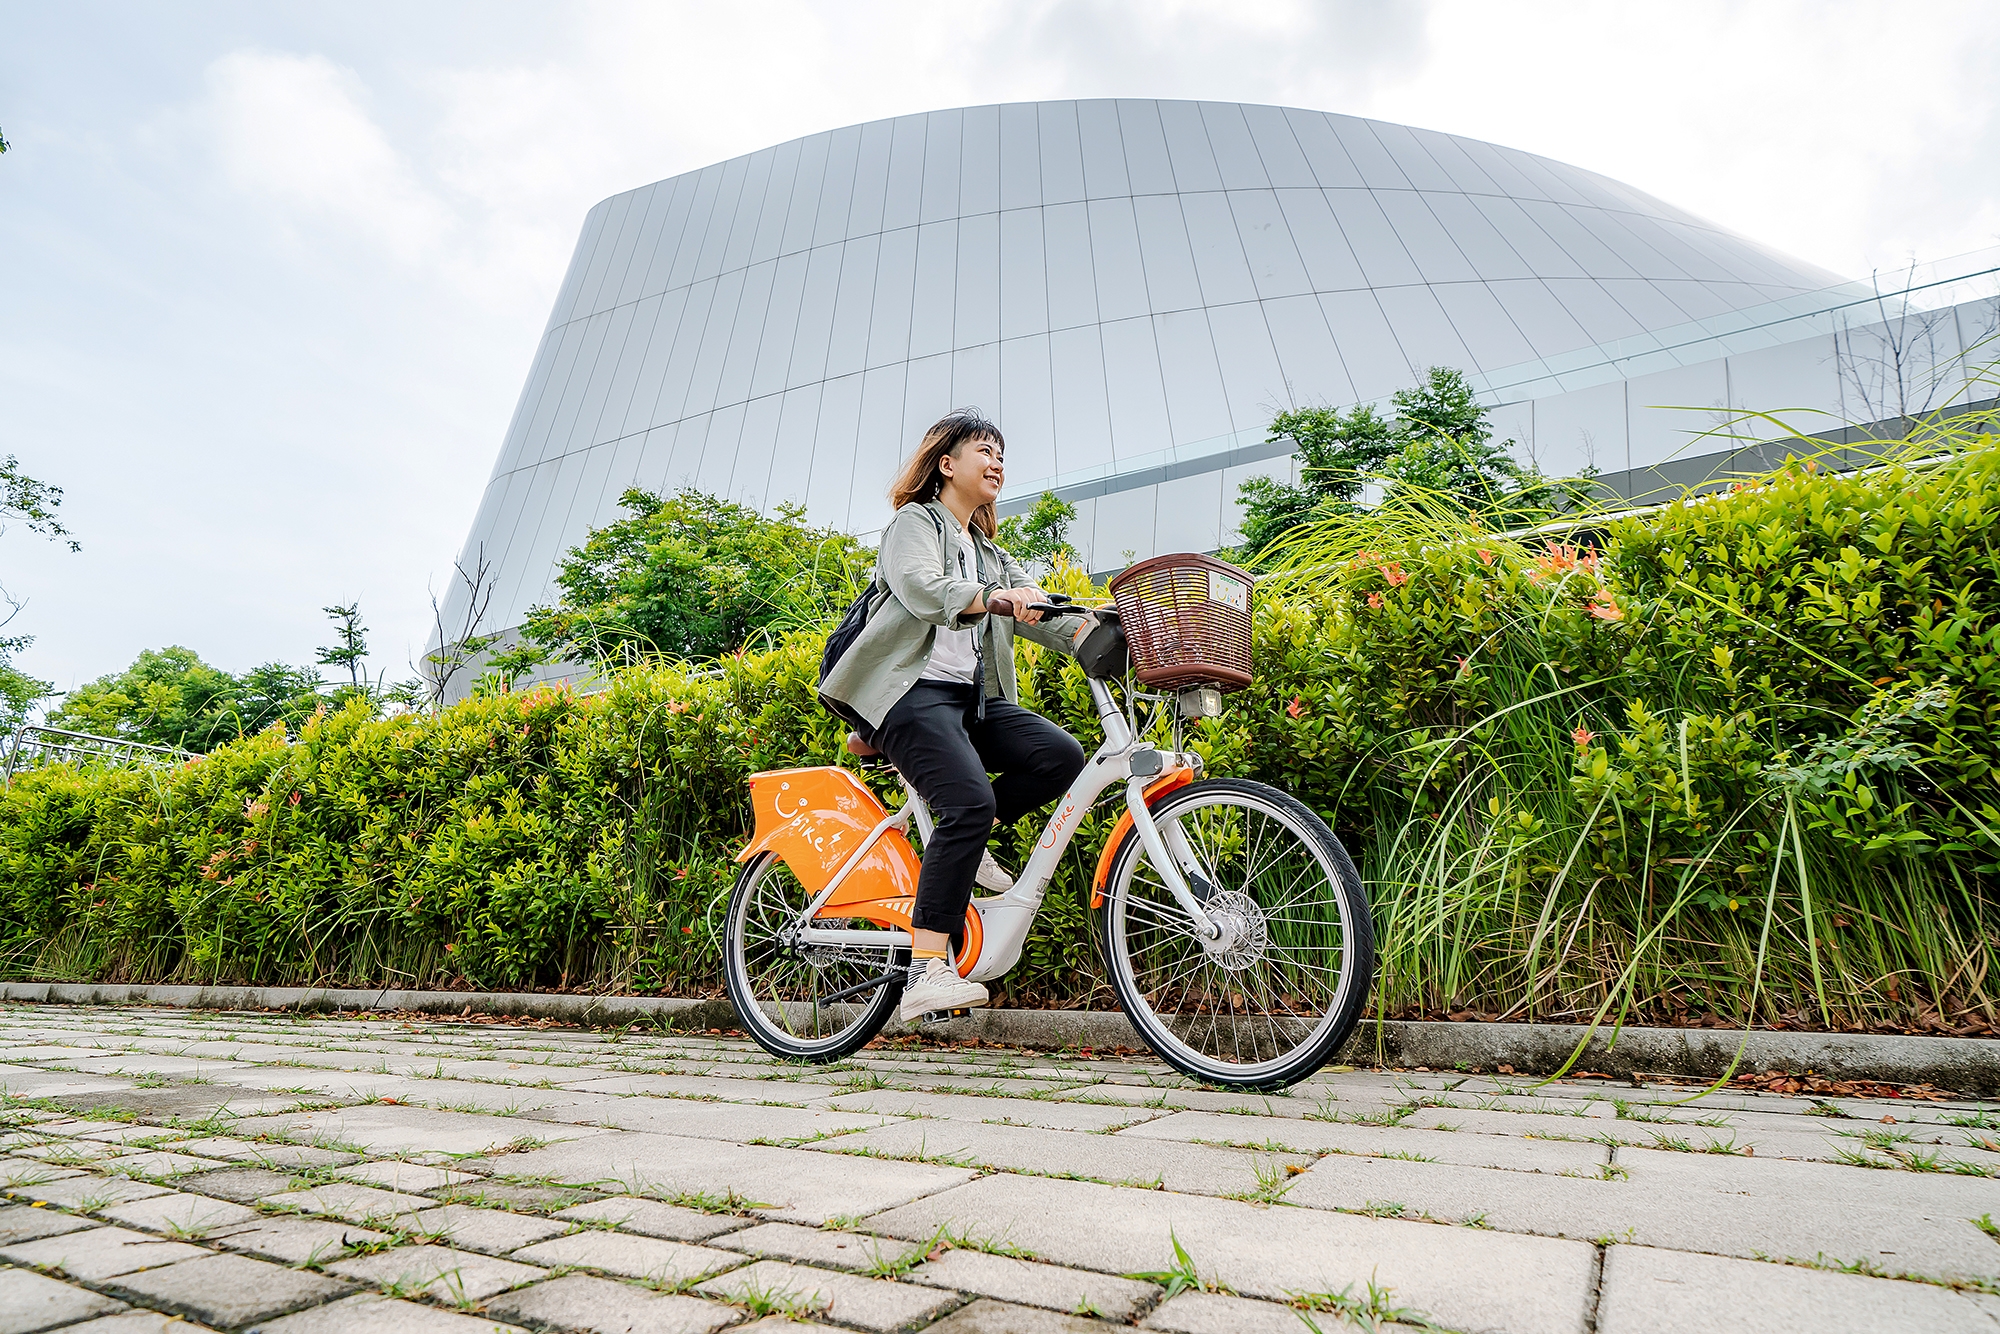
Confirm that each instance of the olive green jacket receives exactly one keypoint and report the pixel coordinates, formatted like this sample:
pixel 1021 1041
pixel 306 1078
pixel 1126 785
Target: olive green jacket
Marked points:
pixel 924 594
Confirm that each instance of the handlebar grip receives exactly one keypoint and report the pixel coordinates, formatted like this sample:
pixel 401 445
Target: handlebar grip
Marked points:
pixel 1000 606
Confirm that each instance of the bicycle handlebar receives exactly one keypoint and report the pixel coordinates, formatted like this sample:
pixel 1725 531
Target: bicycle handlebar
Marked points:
pixel 1004 606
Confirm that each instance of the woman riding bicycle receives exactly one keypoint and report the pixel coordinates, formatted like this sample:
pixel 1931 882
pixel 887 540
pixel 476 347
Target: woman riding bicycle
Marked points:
pixel 932 676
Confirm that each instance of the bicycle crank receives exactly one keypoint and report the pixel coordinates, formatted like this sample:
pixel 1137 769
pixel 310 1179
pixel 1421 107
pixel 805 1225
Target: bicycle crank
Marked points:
pixel 944 1016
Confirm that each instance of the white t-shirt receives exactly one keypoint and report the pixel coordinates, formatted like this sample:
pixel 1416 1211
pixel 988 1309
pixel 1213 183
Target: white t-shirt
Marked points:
pixel 953 657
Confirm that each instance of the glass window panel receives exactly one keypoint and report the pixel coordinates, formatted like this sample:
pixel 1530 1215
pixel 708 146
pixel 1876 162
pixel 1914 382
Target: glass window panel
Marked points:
pixel 1669 412
pixel 632 284
pixel 1024 301
pixel 1540 317
pixel 803 215
pixel 975 378
pixel 1368 347
pixel 789 477
pixel 1795 381
pixel 1188 147
pixel 1311 364
pixel 808 361
pixel 714 343
pixel 1416 163
pixel 525 573
pixel 655 451
pixel 831 485
pixel 1476 238
pixel 847 350
pixel 1672 244
pixel 1072 281
pixel 1484 324
pixel 1499 163
pixel 532 394
pixel 1251 378
pixel 836 192
pixel 1218 250
pixel 1323 249
pixel 1372 238
pixel 1513 427
pixel 777 205
pixel 1103 149
pixel 1545 173
pixel 693 237
pixel 1132 384
pixel 943 136
pixel 871 178
pixel 905 194
pixel 1587 188
pixel 769 297
pixel 1147 166
pixel 1235 152
pixel 1592 307
pixel 1124 529
pixel 1590 254
pixel 1027 410
pixel 606 250
pixel 1543 255
pixel 1114 254
pixel 1232 493
pixel 880 446
pixel 1724 258
pixel 1331 165
pixel 1196 403
pixel 1277 147
pixel 480 534
pixel 673 233
pixel 895 289
pixel 1649 303
pixel 680 454
pixel 1422 330
pixel 725 438
pixel 727 196
pixel 1082 413
pixel 1642 258
pixel 1438 257
pixel 632 358
pixel 926 397
pixel 1081 532
pixel 937 285
pixel 1061 152
pixel 1020 156
pixel 535 441
pixel 1700 301
pixel 1378 169
pixel 979 161
pixel 1188 513
pixel 750 208
pixel 579 265
pixel 1448 151
pixel 1163 241
pixel 978 309
pixel 1584 429
pixel 587 510
pixel 493 545
pixel 563 423
pixel 671 404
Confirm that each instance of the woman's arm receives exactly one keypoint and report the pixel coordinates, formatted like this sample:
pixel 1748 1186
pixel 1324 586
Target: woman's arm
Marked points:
pixel 911 567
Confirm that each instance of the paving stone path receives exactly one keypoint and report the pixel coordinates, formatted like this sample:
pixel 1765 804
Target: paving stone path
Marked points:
pixel 171 1171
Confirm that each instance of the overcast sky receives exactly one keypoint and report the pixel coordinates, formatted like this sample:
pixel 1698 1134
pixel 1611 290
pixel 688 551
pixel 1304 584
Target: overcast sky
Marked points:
pixel 271 274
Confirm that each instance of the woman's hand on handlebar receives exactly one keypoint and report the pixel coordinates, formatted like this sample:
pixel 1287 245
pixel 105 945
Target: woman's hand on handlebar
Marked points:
pixel 1017 603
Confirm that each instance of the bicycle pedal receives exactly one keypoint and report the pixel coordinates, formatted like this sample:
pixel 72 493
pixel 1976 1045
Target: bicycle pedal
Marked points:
pixel 942 1016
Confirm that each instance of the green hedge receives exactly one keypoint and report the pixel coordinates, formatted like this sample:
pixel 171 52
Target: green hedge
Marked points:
pixel 1742 747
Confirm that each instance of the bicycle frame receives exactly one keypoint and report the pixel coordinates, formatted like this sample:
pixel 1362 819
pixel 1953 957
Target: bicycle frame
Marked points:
pixel 1004 921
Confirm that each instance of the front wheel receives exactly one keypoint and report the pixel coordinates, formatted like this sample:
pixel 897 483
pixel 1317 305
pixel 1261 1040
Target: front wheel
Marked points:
pixel 803 1002
pixel 1291 977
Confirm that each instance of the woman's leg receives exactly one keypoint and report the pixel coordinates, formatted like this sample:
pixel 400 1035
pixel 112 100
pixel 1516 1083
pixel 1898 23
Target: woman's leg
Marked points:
pixel 1036 760
pixel 925 737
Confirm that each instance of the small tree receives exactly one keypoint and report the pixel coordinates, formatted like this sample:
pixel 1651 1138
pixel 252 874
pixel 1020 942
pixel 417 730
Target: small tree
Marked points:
pixel 33 504
pixel 352 648
pixel 1041 536
pixel 1337 452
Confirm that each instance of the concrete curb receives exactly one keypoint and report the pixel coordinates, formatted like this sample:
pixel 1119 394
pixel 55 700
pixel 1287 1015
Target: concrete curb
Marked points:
pixel 1963 1065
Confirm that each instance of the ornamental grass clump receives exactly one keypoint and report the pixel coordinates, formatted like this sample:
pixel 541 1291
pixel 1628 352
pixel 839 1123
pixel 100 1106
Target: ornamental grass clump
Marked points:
pixel 1729 760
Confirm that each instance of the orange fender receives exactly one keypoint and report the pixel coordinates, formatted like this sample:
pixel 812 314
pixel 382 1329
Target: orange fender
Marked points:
pixel 813 819
pixel 1159 787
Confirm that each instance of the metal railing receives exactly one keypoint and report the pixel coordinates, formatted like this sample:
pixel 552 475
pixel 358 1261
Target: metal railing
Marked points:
pixel 40 745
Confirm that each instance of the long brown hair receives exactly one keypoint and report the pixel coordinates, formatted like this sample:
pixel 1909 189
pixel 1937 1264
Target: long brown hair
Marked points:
pixel 922 479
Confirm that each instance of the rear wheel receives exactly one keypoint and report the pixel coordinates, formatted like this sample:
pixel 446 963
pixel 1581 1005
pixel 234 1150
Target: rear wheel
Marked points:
pixel 799 1001
pixel 1289 980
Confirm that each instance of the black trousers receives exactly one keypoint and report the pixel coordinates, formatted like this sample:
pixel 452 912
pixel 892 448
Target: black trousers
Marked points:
pixel 936 739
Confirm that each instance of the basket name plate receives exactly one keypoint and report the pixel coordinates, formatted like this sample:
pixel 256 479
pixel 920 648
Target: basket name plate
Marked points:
pixel 1229 592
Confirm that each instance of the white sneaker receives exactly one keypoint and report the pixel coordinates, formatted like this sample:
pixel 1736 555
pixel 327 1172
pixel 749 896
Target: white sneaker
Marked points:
pixel 992 875
pixel 939 987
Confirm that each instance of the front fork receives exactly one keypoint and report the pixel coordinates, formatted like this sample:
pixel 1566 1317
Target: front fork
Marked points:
pixel 1175 861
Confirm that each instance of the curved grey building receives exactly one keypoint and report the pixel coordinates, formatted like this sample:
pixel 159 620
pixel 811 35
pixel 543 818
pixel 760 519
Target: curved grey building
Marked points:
pixel 1131 288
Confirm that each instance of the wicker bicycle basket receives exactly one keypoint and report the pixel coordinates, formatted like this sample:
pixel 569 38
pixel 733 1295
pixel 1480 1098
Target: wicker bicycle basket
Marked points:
pixel 1187 619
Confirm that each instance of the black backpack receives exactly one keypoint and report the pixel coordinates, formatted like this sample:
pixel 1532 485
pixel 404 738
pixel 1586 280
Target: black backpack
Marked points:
pixel 851 625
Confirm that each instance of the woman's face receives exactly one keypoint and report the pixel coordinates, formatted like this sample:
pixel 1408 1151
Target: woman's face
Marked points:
pixel 975 471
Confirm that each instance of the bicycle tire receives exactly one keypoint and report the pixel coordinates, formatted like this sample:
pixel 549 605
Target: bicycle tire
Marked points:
pixel 759 970
pixel 1148 972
